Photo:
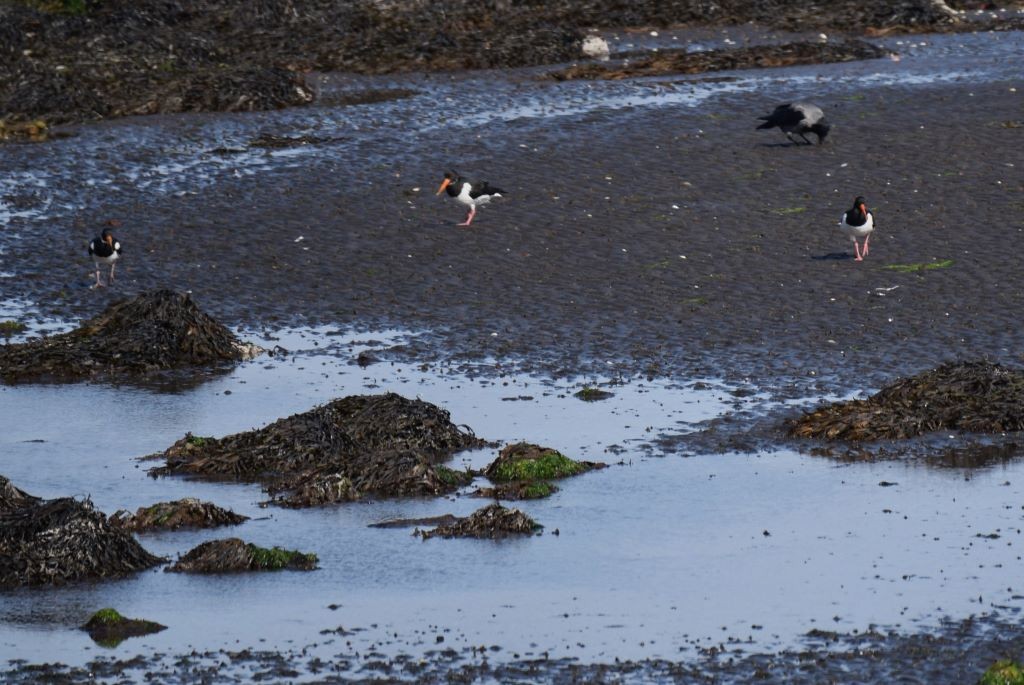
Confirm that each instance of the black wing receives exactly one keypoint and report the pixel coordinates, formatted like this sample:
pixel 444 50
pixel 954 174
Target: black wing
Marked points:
pixel 784 115
pixel 483 188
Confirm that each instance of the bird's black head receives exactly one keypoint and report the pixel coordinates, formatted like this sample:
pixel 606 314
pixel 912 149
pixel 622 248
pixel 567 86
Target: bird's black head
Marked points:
pixel 107 237
pixel 450 178
pixel 821 130
pixel 860 205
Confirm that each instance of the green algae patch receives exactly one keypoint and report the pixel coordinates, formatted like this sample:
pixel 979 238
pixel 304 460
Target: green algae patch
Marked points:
pixel 232 555
pixel 919 266
pixel 275 559
pixel 452 477
pixel 493 521
pixel 518 490
pixel 108 628
pixel 9 328
pixel 526 462
pixel 591 394
pixel 1004 672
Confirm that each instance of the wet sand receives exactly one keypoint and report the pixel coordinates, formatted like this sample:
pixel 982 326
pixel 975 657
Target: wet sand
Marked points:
pixel 587 261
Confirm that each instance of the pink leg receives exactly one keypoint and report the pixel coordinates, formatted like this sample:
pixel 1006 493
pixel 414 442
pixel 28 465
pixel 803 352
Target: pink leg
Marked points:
pixel 856 250
pixel 98 284
pixel 866 239
pixel 111 279
pixel 469 219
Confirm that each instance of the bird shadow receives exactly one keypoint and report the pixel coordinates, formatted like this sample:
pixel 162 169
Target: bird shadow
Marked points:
pixel 786 145
pixel 833 255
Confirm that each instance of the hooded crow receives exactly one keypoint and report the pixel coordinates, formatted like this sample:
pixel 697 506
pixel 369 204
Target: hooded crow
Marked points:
pixel 798 118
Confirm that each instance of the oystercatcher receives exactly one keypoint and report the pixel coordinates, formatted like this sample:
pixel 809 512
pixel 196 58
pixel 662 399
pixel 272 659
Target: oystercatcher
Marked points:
pixel 798 118
pixel 472 194
pixel 857 222
pixel 104 250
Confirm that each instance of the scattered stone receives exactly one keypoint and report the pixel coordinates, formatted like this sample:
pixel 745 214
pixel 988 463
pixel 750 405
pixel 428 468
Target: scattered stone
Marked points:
pixel 384 445
pixel 758 56
pixel 970 396
pixel 182 513
pixel 493 521
pixel 108 628
pixel 233 555
pixel 58 541
pixel 526 462
pixel 158 330
pixel 595 47
pixel 589 394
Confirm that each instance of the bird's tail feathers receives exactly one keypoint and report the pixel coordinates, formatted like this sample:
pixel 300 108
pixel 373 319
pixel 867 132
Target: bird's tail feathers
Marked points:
pixel 766 124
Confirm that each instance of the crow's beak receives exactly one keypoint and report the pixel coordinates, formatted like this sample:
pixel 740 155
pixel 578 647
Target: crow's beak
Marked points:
pixel 447 182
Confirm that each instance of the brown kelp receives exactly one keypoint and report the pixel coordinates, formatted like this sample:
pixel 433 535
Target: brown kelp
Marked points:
pixel 493 521
pixel 977 396
pixel 58 541
pixel 755 57
pixel 232 555
pixel 157 330
pixel 183 513
pixel 384 445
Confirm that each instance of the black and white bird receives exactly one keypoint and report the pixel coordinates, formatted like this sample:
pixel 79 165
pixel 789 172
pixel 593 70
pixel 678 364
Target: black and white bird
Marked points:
pixel 473 194
pixel 798 118
pixel 104 250
pixel 857 222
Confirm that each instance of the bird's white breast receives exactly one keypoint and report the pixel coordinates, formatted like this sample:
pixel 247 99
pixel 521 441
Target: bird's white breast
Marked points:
pixel 857 231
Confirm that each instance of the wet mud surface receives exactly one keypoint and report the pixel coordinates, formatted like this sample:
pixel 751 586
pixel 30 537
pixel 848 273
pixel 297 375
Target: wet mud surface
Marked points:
pixel 649 232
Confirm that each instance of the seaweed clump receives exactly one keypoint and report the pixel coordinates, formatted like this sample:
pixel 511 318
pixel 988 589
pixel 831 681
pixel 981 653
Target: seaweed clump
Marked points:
pixel 1003 672
pixel 232 555
pixel 970 396
pixel 108 628
pixel 58 541
pixel 158 330
pixel 344 450
pixel 493 521
pixel 183 513
pixel 523 461
pixel 591 394
pixel 759 56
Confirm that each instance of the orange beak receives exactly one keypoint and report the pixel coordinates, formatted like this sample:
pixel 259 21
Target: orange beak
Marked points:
pixel 109 240
pixel 447 182
pixel 863 209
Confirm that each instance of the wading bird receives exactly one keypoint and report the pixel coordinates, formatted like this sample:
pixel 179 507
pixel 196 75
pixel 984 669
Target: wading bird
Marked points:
pixel 104 250
pixel 798 118
pixel 857 222
pixel 472 194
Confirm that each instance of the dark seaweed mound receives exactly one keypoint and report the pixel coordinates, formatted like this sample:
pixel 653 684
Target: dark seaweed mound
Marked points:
pixel 53 542
pixel 182 513
pixel 339 451
pixel 155 331
pixel 759 56
pixel 493 521
pixel 971 396
pixel 232 555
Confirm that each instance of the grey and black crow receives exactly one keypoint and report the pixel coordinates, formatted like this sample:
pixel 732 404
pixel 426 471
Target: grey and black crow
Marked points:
pixel 798 118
